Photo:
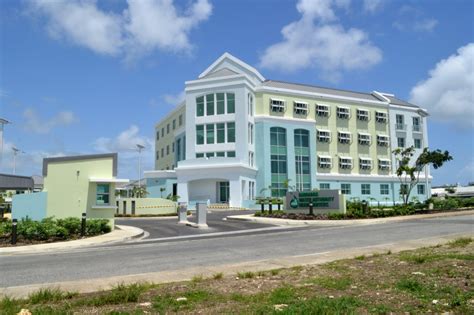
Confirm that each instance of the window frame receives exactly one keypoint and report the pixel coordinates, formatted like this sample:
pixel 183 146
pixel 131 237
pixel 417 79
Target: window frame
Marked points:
pixel 343 112
pixel 300 108
pixel 345 163
pixel 324 161
pixel 102 194
pixel 363 114
pixel 365 163
pixel 381 117
pixel 342 137
pixel 322 110
pixel 323 135
pixel 277 105
pixel 364 138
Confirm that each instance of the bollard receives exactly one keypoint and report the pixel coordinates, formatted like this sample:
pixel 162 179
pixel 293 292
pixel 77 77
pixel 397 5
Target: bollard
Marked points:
pixel 262 206
pixel 182 214
pixel 201 213
pixel 311 209
pixel 14 226
pixel 279 206
pixel 270 207
pixel 83 225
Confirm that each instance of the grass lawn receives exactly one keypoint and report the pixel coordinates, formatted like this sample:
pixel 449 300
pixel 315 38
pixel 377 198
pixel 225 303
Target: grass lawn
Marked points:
pixel 429 280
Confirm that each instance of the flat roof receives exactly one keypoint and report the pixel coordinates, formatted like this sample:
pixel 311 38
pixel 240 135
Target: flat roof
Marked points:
pixel 72 158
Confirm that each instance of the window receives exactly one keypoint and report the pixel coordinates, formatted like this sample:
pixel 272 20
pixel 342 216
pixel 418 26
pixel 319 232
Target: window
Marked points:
pixel 384 189
pixel 417 143
pixel 162 132
pixel 420 189
pixel 178 149
pixel 382 140
pixel 251 190
pixel 324 136
pixel 220 103
pixel 209 154
pixel 322 110
pixel 344 137
pixel 180 120
pixel 230 153
pixel 277 106
pixel 300 108
pixel 343 112
pixel 168 149
pixel 200 134
pixel 302 164
pixel 384 164
pixel 230 103
pixel 401 142
pixel 157 135
pixel 324 186
pixel 174 124
pixel 200 106
pixel 162 152
pixel 381 117
pixel 230 132
pixel 251 159
pixel 365 164
pixel 167 128
pixel 416 124
pixel 324 161
pixel 345 163
pixel 220 154
pixel 250 101
pixel 362 114
pixel 250 133
pixel 102 195
pixel 365 189
pixel 364 139
pixel 346 189
pixel 157 155
pixel 210 133
pixel 220 133
pixel 278 161
pixel 199 155
pixel 400 125
pixel 209 104
pixel 172 147
pixel 403 189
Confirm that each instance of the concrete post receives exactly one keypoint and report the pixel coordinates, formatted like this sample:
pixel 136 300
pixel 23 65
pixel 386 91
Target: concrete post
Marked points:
pixel 201 215
pixel 182 214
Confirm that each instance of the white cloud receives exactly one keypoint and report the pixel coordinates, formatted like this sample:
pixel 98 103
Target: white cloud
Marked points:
pixel 171 99
pixel 139 29
pixel 37 124
pixel 124 142
pixel 312 42
pixel 413 19
pixel 372 6
pixel 448 92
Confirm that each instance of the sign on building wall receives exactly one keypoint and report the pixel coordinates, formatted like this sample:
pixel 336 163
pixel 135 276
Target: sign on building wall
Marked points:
pixel 323 201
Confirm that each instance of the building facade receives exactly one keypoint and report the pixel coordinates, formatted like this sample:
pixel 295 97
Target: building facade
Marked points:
pixel 238 136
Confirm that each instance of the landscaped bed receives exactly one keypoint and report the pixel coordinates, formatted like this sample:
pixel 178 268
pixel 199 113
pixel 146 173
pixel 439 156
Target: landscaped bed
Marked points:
pixel 50 230
pixel 429 280
pixel 357 210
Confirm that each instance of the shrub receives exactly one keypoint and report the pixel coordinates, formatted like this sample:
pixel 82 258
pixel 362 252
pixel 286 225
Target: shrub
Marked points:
pixel 72 225
pixel 97 226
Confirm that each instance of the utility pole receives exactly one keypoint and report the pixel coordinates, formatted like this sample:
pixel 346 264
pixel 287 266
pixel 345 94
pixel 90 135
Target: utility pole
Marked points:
pixel 140 148
pixel 3 122
pixel 15 152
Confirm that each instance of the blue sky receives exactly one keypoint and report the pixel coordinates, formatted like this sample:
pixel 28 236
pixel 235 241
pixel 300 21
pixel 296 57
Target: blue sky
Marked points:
pixel 95 76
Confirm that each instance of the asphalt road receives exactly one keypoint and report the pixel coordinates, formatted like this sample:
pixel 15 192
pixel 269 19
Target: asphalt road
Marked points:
pixel 167 227
pixel 165 256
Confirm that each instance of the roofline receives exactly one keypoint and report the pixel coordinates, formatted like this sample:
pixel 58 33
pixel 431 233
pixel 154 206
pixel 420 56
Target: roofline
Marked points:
pixel 4 121
pixel 114 156
pixel 234 59
pixel 173 111
pixel 18 176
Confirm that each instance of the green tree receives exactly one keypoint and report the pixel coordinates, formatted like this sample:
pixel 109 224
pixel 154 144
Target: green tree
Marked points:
pixel 139 192
pixel 409 173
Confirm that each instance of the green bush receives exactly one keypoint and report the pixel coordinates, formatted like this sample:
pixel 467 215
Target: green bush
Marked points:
pixel 51 229
pixel 448 203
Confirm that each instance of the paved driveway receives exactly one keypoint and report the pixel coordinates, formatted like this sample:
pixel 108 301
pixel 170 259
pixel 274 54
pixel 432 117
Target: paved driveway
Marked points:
pixel 168 227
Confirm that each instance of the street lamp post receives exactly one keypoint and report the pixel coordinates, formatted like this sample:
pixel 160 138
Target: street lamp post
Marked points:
pixel 15 152
pixel 140 148
pixel 3 122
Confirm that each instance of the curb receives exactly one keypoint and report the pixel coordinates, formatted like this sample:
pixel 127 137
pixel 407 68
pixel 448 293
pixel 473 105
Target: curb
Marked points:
pixel 161 277
pixel 275 221
pixel 121 233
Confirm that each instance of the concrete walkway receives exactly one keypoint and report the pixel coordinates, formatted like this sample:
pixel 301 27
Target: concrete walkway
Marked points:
pixel 106 283
pixel 121 233
pixel 275 221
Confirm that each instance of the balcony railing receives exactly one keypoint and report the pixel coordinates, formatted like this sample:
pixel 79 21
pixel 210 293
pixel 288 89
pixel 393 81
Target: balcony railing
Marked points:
pixel 417 128
pixel 401 126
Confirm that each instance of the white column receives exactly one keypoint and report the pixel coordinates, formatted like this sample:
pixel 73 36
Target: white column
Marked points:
pixel 235 193
pixel 183 191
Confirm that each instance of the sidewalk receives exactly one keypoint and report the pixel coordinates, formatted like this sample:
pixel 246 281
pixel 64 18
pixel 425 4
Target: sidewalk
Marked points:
pixel 274 221
pixel 121 233
pixel 93 285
